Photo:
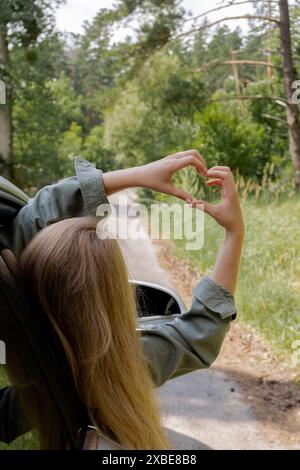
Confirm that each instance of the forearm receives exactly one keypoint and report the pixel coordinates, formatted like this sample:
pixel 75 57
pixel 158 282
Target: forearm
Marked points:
pixel 225 272
pixel 118 180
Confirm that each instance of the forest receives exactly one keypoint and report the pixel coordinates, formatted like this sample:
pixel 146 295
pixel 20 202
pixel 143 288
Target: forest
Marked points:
pixel 175 82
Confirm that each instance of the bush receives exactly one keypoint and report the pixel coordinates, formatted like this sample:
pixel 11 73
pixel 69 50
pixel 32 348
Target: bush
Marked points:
pixel 227 138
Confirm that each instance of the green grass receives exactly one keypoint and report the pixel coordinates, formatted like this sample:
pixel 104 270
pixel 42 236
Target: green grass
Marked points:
pixel 268 295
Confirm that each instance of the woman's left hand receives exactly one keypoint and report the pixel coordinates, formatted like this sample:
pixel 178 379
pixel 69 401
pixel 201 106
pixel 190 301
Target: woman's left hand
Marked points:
pixel 156 175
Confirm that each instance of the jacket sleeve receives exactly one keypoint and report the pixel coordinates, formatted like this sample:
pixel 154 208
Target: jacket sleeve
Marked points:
pixel 193 339
pixel 77 196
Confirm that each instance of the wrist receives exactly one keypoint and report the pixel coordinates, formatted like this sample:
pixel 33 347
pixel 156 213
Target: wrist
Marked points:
pixel 135 177
pixel 236 232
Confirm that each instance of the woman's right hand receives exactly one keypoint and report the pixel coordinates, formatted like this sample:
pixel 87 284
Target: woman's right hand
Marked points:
pixel 228 213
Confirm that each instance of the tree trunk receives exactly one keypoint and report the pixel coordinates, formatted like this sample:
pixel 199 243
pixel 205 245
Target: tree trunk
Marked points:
pixel 6 128
pixel 292 109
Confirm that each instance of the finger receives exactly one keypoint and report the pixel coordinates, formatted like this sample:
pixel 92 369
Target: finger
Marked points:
pixel 191 161
pixel 193 153
pixel 217 174
pixel 217 182
pixel 222 168
pixel 204 206
pixel 214 182
pixel 228 184
pixel 180 193
pixel 196 154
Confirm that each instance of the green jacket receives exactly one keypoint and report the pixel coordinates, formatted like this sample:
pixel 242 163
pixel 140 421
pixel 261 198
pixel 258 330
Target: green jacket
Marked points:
pixel 190 341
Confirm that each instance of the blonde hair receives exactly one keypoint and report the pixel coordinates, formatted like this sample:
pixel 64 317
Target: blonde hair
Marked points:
pixel 82 284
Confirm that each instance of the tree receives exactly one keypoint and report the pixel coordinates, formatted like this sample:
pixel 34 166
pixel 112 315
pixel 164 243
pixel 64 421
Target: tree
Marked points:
pixel 153 115
pixel 292 109
pixel 99 63
pixel 218 48
pixel 5 109
pixel 44 107
pixel 22 22
pixel 95 151
pixel 227 139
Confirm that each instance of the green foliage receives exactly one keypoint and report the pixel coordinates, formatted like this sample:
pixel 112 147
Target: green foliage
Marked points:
pixel 217 48
pixel 225 137
pixel 95 151
pixel 95 64
pixel 36 143
pixel 72 141
pixel 66 99
pixel 130 102
pixel 35 59
pixel 27 18
pixel 158 19
pixel 274 185
pixel 153 115
pixel 271 115
pixel 44 107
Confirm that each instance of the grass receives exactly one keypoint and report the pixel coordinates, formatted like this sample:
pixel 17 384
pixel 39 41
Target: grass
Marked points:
pixel 268 295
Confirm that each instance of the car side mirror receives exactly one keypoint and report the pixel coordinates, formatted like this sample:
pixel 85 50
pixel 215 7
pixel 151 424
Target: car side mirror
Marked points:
pixel 156 303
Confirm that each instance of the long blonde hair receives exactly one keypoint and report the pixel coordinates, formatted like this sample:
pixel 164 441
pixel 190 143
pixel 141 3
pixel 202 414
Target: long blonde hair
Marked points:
pixel 82 284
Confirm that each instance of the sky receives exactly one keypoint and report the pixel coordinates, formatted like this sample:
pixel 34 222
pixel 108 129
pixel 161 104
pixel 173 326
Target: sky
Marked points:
pixel 71 16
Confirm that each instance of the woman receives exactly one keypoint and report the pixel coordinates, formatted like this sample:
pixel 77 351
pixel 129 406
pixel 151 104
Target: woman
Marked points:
pixel 82 283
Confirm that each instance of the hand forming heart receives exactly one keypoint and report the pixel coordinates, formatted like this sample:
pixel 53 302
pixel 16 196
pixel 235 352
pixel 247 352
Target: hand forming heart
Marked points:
pixel 158 177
